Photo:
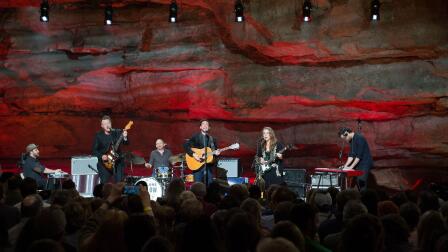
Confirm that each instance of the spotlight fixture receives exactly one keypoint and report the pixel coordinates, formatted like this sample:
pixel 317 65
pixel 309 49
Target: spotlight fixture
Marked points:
pixel 108 13
pixel 44 7
pixel 306 10
pixel 239 11
pixel 375 10
pixel 173 12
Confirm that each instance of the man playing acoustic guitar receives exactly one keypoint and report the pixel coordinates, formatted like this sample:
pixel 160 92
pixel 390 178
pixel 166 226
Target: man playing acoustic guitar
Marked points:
pixel 103 141
pixel 200 141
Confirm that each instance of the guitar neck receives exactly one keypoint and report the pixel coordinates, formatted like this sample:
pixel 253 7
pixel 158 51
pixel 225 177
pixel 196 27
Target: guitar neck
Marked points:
pixel 224 149
pixel 282 150
pixel 117 144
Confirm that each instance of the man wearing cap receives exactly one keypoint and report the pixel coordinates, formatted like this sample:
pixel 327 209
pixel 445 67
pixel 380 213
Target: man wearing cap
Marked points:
pixel 32 168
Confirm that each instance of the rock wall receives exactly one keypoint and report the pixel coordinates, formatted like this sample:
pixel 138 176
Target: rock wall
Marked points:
pixel 303 79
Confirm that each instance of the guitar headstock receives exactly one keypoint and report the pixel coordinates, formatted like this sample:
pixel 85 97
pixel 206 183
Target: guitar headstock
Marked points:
pixel 290 147
pixel 129 125
pixel 234 146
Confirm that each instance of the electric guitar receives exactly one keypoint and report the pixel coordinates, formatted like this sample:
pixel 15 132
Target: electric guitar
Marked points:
pixel 194 164
pixel 111 153
pixel 263 168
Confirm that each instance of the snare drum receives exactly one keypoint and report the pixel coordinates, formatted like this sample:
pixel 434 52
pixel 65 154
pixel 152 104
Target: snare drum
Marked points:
pixel 154 187
pixel 163 172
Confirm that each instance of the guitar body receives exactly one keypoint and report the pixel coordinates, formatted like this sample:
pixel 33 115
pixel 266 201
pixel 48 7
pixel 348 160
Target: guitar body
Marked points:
pixel 265 167
pixel 193 164
pixel 112 157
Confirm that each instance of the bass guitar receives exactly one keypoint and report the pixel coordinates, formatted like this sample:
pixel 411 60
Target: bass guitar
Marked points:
pixel 111 153
pixel 194 164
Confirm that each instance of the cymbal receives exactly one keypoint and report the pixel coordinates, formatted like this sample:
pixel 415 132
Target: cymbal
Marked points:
pixel 134 159
pixel 177 158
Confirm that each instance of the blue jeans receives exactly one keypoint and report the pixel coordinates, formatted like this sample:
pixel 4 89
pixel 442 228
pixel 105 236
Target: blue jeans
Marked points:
pixel 199 175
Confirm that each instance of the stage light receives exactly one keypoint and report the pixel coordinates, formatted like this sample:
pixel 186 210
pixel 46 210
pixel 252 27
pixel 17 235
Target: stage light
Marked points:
pixel 108 13
pixel 173 12
pixel 44 7
pixel 239 11
pixel 306 11
pixel 375 10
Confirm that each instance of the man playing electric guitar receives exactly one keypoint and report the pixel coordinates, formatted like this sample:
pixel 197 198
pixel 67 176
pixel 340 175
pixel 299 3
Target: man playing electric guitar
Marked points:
pixel 199 141
pixel 103 140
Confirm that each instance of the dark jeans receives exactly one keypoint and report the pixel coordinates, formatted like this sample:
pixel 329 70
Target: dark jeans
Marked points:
pixel 106 174
pixel 199 175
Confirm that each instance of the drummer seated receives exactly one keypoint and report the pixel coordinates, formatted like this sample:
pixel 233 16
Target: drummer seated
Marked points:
pixel 159 158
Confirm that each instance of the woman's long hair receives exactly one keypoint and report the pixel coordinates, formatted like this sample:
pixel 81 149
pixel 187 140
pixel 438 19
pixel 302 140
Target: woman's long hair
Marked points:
pixel 272 137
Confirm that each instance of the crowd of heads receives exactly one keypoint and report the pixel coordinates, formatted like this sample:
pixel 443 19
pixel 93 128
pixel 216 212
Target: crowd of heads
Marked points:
pixel 219 218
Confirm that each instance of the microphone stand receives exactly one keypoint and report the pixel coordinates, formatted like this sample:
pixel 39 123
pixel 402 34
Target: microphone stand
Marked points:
pixel 256 167
pixel 93 169
pixel 205 158
pixel 359 125
pixel 341 154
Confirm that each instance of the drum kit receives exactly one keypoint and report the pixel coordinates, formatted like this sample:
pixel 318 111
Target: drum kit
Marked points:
pixel 158 184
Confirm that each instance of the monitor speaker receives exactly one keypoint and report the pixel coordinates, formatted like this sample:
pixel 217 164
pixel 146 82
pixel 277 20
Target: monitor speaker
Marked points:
pixel 231 165
pixel 84 165
pixel 85 174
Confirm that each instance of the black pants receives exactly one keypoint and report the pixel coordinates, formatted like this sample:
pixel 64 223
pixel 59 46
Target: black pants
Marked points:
pixel 271 178
pixel 106 174
pixel 362 180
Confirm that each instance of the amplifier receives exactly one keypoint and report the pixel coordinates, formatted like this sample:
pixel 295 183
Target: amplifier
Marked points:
pixel 84 165
pixel 324 181
pixel 85 184
pixel 294 176
pixel 231 165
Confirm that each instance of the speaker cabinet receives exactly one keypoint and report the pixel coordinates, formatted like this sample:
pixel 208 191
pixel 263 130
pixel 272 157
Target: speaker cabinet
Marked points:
pixel 294 176
pixel 231 165
pixel 84 174
pixel 84 165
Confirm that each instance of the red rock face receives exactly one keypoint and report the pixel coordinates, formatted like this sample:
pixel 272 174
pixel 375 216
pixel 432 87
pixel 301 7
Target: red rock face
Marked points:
pixel 303 79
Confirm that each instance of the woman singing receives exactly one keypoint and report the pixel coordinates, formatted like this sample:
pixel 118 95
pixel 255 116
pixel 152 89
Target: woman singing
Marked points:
pixel 269 160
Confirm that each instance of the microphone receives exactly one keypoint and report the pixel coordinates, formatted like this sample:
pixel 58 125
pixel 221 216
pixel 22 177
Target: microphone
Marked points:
pixel 93 169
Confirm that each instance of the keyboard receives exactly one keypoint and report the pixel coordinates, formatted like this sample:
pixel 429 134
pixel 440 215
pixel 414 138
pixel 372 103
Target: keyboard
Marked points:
pixel 58 175
pixel 348 173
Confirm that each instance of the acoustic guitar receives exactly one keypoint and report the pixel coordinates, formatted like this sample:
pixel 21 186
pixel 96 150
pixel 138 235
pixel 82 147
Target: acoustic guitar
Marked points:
pixel 112 155
pixel 194 164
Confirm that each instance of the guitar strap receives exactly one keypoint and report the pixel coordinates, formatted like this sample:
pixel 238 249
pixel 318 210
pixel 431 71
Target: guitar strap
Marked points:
pixel 212 143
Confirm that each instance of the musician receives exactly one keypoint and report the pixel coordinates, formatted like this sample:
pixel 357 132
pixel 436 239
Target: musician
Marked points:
pixel 159 158
pixel 359 157
pixel 201 140
pixel 103 139
pixel 267 153
pixel 32 168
